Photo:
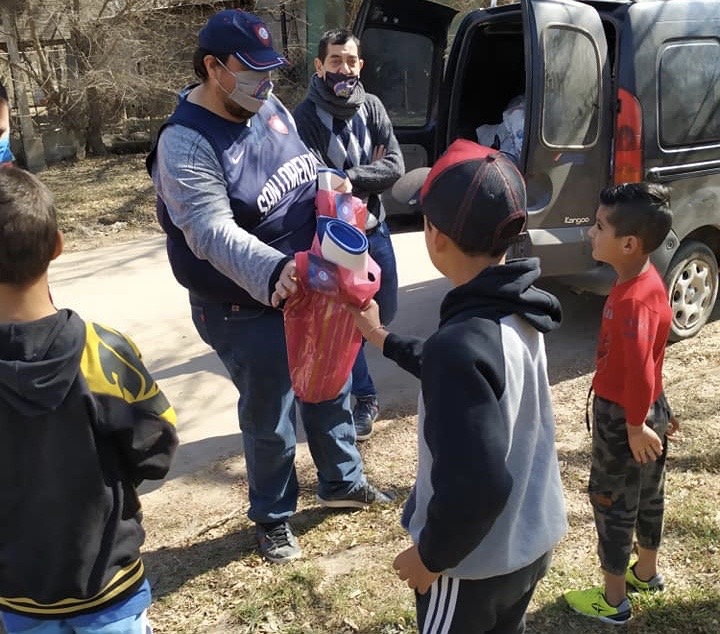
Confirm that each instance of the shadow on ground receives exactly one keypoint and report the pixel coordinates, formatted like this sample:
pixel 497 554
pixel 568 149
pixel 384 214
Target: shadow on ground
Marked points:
pixel 168 569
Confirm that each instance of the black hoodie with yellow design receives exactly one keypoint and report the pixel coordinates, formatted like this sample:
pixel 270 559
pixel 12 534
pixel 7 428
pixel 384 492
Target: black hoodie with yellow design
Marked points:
pixel 82 423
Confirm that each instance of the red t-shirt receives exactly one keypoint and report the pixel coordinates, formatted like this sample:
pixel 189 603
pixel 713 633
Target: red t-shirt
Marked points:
pixel 634 331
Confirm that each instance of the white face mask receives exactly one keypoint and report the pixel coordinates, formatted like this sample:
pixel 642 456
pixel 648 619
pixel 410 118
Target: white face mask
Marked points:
pixel 252 88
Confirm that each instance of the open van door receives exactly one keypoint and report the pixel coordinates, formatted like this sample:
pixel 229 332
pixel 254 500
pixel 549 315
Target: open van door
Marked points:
pixel 568 130
pixel 403 44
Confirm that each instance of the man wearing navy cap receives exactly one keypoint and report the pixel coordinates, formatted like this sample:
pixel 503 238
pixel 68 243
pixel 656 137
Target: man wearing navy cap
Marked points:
pixel 236 197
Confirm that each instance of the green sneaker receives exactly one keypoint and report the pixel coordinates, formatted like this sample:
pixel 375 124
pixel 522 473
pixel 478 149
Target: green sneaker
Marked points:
pixel 655 584
pixel 592 603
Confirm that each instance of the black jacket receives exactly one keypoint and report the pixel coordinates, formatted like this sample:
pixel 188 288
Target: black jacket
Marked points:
pixel 82 423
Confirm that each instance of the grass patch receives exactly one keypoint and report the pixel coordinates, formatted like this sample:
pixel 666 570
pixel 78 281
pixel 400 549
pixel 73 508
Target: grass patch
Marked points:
pixel 103 200
pixel 341 585
pixel 345 584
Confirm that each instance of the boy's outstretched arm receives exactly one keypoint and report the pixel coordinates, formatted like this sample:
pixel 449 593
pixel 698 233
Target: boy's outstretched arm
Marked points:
pixel 132 413
pixel 405 351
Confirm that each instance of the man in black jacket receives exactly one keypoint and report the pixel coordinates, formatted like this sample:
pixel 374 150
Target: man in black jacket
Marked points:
pixel 349 129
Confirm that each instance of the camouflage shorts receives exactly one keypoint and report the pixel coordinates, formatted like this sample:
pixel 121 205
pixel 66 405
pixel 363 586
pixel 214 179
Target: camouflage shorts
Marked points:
pixel 626 496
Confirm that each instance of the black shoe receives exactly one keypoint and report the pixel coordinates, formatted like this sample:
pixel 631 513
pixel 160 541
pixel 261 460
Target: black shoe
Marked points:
pixel 360 498
pixel 365 413
pixel 277 542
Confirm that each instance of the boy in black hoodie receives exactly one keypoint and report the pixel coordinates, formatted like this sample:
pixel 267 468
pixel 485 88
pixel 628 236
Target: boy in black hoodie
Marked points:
pixel 487 506
pixel 82 423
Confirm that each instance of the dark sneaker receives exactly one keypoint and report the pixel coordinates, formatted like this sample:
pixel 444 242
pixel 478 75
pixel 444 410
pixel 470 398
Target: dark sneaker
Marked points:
pixel 592 603
pixel 365 413
pixel 277 542
pixel 634 584
pixel 360 498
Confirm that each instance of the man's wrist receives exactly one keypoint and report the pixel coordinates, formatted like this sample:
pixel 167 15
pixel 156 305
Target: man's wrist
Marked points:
pixel 275 275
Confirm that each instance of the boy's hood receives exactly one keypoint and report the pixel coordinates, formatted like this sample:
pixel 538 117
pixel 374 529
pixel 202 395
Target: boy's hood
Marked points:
pixel 39 361
pixel 503 290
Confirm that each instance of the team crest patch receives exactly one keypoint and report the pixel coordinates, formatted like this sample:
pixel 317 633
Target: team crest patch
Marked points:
pixel 277 124
pixel 263 34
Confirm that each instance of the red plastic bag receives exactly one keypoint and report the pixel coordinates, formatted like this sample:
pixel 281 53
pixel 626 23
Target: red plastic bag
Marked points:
pixel 322 340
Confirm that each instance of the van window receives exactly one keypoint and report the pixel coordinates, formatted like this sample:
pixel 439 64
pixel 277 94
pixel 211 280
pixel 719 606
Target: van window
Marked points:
pixel 689 90
pixel 399 74
pixel 571 95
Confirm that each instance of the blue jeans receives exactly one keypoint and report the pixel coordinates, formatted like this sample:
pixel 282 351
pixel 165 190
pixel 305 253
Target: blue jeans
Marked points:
pixel 381 250
pixel 137 624
pixel 128 616
pixel 251 345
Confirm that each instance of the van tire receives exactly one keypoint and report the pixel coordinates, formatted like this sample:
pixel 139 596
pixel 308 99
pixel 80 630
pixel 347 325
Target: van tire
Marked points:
pixel 692 282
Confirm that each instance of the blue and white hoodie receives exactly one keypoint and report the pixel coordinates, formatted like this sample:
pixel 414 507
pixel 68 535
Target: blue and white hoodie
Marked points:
pixel 487 499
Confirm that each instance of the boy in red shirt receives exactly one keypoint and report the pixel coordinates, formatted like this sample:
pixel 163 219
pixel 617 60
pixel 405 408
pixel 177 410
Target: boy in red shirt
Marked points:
pixel 631 417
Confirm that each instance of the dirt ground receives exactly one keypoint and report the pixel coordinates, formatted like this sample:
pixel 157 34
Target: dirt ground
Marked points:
pixel 200 552
pixel 102 200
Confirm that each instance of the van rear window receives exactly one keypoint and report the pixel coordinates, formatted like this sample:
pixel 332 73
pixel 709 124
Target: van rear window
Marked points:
pixel 571 101
pixel 689 90
pixel 398 69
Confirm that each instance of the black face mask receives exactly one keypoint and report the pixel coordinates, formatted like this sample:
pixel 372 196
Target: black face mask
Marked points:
pixel 341 85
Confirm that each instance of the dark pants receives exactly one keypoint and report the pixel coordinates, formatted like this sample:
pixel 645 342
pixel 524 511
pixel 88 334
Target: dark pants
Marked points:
pixel 626 496
pixel 251 345
pixel 468 606
pixel 380 249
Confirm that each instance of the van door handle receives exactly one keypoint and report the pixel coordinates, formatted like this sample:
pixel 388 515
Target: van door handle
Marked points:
pixel 688 170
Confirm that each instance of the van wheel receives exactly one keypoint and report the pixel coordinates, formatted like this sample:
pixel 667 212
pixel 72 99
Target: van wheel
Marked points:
pixel 692 282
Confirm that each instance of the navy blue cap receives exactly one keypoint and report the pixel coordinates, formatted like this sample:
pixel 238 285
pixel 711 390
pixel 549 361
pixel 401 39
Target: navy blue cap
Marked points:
pixel 244 35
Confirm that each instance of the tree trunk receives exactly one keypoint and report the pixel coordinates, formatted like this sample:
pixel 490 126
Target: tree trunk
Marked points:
pixel 95 143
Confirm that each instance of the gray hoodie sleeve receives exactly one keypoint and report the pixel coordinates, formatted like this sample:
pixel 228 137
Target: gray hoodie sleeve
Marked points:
pixel 189 179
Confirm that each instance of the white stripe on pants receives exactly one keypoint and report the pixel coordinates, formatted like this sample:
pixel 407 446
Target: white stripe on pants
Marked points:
pixel 441 609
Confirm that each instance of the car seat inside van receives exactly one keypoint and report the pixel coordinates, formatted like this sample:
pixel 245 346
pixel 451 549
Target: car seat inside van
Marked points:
pixel 581 95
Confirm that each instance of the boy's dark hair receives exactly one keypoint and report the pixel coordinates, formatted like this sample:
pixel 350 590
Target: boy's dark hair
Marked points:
pixel 336 36
pixel 3 94
pixel 28 227
pixel 199 65
pixel 641 210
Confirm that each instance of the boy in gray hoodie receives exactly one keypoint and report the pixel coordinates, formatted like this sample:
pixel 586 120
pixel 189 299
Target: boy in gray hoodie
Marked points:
pixel 487 506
